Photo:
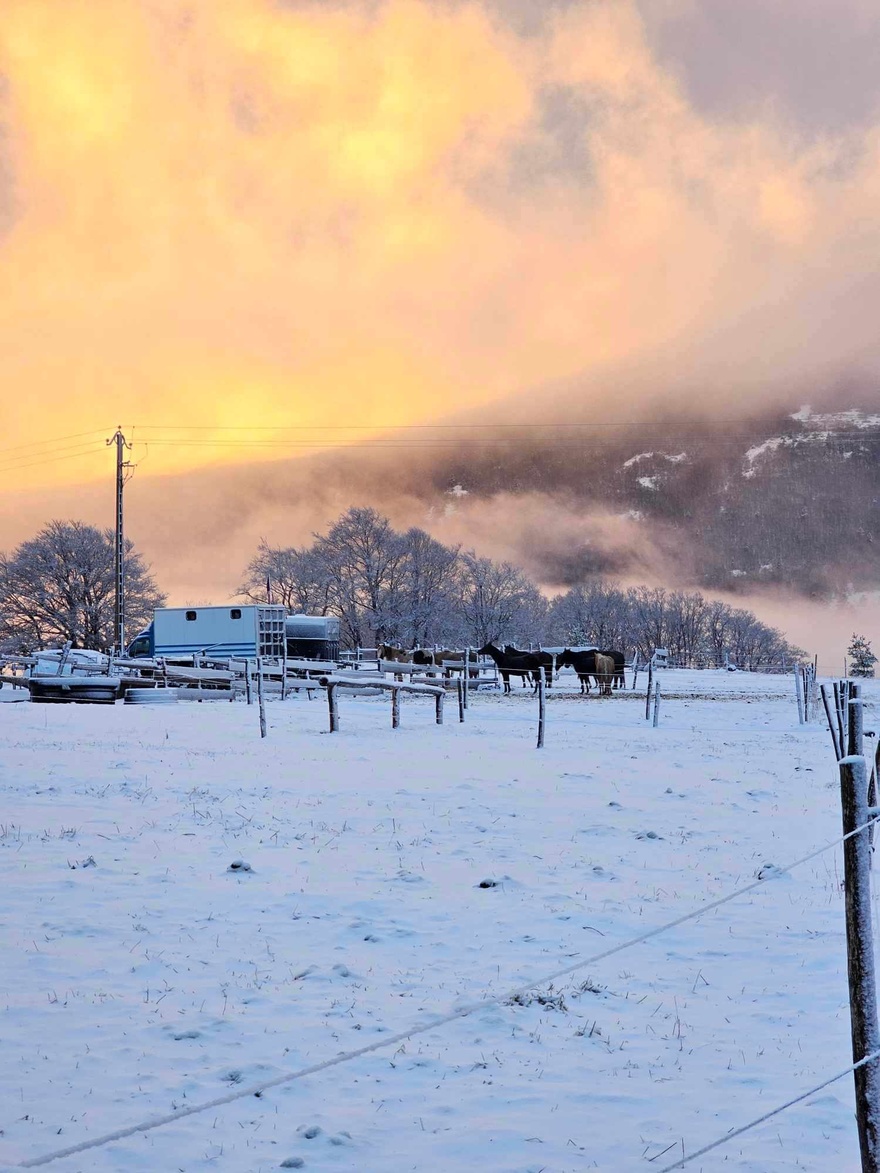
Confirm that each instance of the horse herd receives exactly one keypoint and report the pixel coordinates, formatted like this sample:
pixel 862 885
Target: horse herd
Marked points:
pixel 606 668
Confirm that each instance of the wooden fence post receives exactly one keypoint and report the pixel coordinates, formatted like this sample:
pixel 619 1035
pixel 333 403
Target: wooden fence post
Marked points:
pixel 467 682
pixel 839 690
pixel 333 705
pixel 855 725
pixel 247 681
pixel 832 725
pixel 799 692
pixel 648 693
pixel 260 696
pixel 635 668
pixel 438 707
pixel 395 708
pixel 460 684
pixel 656 704
pixel 542 707
pixel 860 959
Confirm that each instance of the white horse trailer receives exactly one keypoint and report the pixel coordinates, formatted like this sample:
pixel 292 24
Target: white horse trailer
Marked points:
pixel 245 632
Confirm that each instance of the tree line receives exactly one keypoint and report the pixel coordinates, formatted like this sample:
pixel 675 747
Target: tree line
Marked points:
pixel 385 586
pixel 408 589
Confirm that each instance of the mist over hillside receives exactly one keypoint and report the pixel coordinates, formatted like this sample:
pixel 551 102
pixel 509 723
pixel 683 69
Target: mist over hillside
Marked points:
pixel 785 499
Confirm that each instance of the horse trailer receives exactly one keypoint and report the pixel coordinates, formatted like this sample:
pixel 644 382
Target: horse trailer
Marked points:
pixel 312 637
pixel 245 632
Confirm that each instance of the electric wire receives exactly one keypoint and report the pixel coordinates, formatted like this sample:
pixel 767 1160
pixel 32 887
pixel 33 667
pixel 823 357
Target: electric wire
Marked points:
pixel 729 1136
pixel 435 1022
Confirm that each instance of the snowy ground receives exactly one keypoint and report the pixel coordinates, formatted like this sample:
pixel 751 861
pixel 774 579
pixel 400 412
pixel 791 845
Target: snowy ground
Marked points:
pixel 139 974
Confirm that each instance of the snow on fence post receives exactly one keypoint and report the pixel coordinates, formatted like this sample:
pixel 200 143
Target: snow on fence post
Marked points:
pixel 333 706
pixel 635 668
pixel 855 722
pixel 395 708
pixel 461 705
pixel 542 709
pixel 466 677
pixel 656 704
pixel 799 692
pixel 648 693
pixel 438 707
pixel 260 696
pixel 247 681
pixel 860 959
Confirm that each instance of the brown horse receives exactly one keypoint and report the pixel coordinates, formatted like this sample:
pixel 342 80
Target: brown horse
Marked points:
pixel 605 673
pixel 396 655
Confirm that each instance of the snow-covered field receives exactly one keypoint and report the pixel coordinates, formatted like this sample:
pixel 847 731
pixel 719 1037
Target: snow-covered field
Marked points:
pixel 139 974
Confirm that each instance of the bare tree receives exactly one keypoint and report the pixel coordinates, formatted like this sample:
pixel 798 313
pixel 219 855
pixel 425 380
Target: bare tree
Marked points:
pixel 363 560
pixel 60 586
pixel 294 578
pixel 427 594
pixel 496 600
pixel 598 614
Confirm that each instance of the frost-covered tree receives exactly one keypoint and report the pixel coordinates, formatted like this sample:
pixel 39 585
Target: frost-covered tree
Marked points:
pixel 496 601
pixel 411 590
pixel 60 586
pixel 294 578
pixel 364 562
pixel 861 658
pixel 427 596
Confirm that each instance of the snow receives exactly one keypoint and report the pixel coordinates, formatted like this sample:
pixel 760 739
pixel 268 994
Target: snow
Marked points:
pixel 386 876
pixel 759 450
pixel 637 458
pixel 648 482
pixel 853 418
pixel 678 458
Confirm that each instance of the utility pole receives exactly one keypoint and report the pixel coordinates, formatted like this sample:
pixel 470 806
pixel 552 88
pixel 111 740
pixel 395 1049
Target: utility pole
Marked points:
pixel 119 561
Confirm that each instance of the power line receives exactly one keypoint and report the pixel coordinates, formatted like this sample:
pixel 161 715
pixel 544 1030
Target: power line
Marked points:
pixel 647 424
pixel 538 442
pixel 54 440
pixel 51 458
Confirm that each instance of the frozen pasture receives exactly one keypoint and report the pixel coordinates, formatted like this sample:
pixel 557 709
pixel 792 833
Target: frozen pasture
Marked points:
pixel 395 875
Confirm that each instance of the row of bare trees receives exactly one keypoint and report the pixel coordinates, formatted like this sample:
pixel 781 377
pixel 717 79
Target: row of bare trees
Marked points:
pixel 696 631
pixel 399 588
pixel 411 590
pixel 385 586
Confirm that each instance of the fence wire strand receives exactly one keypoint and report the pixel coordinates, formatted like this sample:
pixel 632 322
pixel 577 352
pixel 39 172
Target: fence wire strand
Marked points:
pixel 443 1019
pixel 729 1136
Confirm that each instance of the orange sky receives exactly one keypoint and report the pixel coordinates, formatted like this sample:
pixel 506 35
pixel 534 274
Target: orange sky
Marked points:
pixel 240 213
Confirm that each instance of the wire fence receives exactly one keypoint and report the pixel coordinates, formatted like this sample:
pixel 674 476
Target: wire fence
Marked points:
pixel 465 1011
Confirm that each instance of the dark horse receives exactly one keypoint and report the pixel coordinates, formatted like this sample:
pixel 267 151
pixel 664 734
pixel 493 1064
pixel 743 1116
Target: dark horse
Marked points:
pixel 584 663
pixel 545 659
pixel 520 663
